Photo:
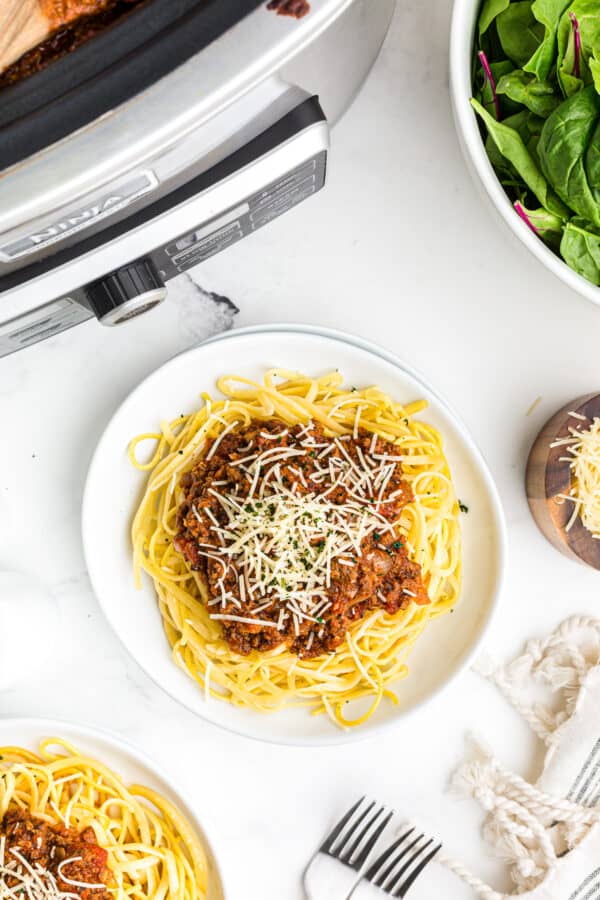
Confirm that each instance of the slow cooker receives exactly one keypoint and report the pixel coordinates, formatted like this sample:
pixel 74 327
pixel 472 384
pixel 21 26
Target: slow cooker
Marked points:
pixel 175 132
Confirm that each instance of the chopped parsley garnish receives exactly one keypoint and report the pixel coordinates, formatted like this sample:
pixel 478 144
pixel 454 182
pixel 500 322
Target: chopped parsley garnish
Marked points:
pixel 463 507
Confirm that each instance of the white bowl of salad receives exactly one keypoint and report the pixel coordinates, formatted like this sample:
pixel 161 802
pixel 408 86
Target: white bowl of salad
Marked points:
pixel 525 86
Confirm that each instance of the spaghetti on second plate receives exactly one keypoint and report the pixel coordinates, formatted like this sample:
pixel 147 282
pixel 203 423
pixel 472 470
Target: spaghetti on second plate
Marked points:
pixel 71 828
pixel 300 536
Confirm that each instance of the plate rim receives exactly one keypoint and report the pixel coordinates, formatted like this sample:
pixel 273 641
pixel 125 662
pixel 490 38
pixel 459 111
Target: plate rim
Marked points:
pixel 52 728
pixel 338 737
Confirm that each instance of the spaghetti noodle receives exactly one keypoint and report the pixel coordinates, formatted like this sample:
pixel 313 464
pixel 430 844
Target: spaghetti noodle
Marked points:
pixel 373 653
pixel 58 799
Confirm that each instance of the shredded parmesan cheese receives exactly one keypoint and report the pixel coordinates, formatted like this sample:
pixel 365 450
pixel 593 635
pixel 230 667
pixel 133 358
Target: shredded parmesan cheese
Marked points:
pixel 283 544
pixel 20 879
pixel 583 448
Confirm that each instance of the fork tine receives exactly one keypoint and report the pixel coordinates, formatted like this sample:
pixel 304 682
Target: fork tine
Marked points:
pixel 408 882
pixel 395 882
pixel 348 857
pixel 375 874
pixel 341 846
pixel 336 831
pixel 364 854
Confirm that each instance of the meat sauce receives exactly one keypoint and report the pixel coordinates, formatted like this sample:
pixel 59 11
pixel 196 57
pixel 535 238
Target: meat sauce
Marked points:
pixel 74 24
pixel 45 845
pixel 381 576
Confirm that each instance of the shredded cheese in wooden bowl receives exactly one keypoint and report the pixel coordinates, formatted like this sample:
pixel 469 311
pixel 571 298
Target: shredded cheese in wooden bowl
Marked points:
pixel 583 447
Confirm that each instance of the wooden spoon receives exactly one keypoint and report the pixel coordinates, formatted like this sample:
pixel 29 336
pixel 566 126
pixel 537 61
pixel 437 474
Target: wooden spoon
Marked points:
pixel 548 476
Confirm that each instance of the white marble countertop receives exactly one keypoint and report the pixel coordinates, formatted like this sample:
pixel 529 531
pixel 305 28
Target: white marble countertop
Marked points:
pixel 401 249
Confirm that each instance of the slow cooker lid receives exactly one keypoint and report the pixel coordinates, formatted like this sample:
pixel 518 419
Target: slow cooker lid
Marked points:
pixel 114 66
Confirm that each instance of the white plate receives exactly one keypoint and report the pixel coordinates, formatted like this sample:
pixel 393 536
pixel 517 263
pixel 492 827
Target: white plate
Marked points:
pixel 113 490
pixel 125 760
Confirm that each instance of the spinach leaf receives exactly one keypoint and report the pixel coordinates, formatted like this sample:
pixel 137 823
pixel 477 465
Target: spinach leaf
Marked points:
pixel 546 225
pixel 594 64
pixel 489 11
pixel 506 173
pixel 568 142
pixel 519 32
pixel 580 249
pixel 537 96
pixel 587 14
pixel 548 12
pixel 528 127
pixel 486 96
pixel 544 56
pixel 592 159
pixel 511 145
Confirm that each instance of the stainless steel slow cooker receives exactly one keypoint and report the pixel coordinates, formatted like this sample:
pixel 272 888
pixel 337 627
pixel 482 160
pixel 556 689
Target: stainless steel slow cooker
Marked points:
pixel 170 136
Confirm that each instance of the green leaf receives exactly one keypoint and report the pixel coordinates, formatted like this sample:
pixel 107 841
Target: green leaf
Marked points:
pixel 529 128
pixel 568 146
pixel 502 167
pixel 580 249
pixel 537 96
pixel 519 32
pixel 594 64
pixel 548 12
pixel 592 160
pixel 486 97
pixel 548 226
pixel 510 144
pixel 489 11
pixel 587 13
pixel 527 124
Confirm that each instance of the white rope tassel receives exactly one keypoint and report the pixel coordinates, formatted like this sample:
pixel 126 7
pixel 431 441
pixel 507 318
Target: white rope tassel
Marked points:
pixel 511 826
pixel 561 662
pixel 527 826
pixel 482 889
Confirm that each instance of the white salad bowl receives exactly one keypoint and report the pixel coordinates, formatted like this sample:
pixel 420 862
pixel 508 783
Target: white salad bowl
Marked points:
pixel 464 22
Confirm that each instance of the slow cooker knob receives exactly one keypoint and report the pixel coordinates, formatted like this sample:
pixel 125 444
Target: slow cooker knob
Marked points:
pixel 129 291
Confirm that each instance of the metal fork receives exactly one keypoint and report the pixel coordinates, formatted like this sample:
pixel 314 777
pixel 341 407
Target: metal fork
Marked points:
pixel 350 842
pixel 398 867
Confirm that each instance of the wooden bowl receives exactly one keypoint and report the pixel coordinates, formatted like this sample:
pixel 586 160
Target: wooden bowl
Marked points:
pixel 549 474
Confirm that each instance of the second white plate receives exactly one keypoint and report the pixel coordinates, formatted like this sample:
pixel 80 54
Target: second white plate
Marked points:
pixel 128 762
pixel 113 489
